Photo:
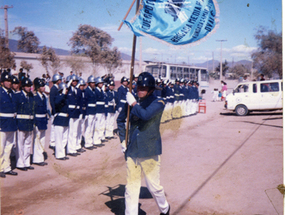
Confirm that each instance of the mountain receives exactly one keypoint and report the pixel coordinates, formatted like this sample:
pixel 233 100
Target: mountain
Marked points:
pixel 209 64
pixel 14 43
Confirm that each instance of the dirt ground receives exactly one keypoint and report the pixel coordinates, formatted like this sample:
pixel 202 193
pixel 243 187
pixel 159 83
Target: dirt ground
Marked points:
pixel 212 163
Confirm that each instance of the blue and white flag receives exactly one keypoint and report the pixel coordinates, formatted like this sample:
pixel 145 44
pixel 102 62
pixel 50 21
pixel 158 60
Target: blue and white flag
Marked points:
pixel 176 22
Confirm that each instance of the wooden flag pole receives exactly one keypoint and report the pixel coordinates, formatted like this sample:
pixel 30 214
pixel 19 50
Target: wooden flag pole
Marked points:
pixel 127 14
pixel 131 79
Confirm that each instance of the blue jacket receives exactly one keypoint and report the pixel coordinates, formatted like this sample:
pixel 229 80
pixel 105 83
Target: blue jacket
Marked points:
pixel 100 100
pixel 61 107
pixel 176 89
pixel 74 103
pixel 41 120
pixel 122 92
pixel 25 108
pixel 83 102
pixel 52 95
pixel 90 101
pixel 144 135
pixel 7 111
pixel 112 100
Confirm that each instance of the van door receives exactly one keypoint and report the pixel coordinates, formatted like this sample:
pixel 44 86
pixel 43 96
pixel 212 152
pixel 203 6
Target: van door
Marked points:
pixel 242 95
pixel 270 95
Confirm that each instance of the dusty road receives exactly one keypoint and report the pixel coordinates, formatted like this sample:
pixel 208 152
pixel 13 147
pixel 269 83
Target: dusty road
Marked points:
pixel 211 164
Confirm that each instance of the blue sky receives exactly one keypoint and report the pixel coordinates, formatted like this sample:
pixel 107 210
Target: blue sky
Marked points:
pixel 54 21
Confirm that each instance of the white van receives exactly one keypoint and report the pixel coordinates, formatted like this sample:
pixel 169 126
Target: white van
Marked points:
pixel 255 96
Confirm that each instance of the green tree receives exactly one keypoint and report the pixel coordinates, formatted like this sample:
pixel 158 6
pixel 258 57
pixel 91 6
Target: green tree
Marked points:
pixel 6 56
pixel 27 66
pixel 268 58
pixel 239 70
pixel 76 63
pixel 225 68
pixel 28 41
pixel 49 60
pixel 96 44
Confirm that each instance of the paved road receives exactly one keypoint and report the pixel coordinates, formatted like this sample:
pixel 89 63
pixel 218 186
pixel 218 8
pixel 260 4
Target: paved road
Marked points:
pixel 212 163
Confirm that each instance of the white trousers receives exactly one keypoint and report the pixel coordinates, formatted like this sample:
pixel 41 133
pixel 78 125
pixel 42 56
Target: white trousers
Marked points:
pixel 24 147
pixel 61 135
pixel 150 167
pixel 72 135
pixel 80 132
pixel 100 123
pixel 7 140
pixel 110 120
pixel 89 130
pixel 52 138
pixel 39 145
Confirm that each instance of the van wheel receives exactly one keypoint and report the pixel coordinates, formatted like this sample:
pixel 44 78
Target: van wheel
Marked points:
pixel 241 110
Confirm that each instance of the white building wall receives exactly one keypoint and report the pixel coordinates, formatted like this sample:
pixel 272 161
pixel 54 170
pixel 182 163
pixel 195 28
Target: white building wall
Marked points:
pixel 38 70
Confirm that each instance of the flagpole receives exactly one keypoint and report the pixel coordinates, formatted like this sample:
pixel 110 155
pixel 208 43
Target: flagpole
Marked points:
pixel 127 14
pixel 131 78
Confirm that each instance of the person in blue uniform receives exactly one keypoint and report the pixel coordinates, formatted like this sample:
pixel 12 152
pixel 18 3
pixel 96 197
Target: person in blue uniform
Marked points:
pixel 61 122
pixel 25 108
pixel 100 118
pixel 81 129
pixel 144 144
pixel 122 92
pixel 74 105
pixel 15 84
pixel 41 121
pixel 8 126
pixel 110 119
pixel 90 113
pixel 56 80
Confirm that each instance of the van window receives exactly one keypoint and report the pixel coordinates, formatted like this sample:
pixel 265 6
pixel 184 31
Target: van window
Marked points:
pixel 243 88
pixel 254 88
pixel 173 72
pixel 269 87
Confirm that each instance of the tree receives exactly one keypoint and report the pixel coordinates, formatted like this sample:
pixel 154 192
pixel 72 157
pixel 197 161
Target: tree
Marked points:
pixel 224 67
pixel 96 44
pixel 268 58
pixel 49 60
pixel 25 65
pixel 76 63
pixel 239 70
pixel 28 41
pixel 6 56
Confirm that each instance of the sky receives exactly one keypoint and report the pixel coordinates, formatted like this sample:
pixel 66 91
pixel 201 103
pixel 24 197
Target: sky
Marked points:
pixel 54 22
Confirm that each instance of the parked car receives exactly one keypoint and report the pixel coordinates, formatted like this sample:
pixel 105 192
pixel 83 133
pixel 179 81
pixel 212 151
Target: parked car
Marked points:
pixel 255 96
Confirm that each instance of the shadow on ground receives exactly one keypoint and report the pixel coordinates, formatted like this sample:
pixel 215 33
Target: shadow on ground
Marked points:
pixel 117 202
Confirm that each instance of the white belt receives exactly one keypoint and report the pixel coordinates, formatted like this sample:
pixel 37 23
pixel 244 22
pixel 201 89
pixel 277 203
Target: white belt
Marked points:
pixel 171 97
pixel 111 104
pixel 91 105
pixel 123 101
pixel 63 114
pixel 73 106
pixel 41 115
pixel 22 116
pixel 7 114
pixel 181 94
pixel 106 106
pixel 176 94
pixel 100 103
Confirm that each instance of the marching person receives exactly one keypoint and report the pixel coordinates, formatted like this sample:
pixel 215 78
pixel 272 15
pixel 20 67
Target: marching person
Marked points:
pixel 74 105
pixel 56 80
pixel 61 122
pixel 15 84
pixel 8 126
pixel 90 113
pixel 81 128
pixel 144 144
pixel 41 122
pixel 100 118
pixel 25 108
pixel 110 120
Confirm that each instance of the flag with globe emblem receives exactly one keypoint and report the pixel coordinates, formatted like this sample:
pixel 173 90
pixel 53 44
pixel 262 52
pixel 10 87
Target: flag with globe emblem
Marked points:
pixel 175 22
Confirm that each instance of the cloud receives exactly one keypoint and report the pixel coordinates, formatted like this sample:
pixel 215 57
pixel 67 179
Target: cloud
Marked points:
pixel 243 49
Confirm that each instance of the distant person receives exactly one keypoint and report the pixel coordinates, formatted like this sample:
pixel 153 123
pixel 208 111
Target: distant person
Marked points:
pixel 262 77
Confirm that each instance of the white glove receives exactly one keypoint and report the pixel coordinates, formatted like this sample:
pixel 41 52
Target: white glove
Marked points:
pixel 123 146
pixel 69 83
pixel 130 98
pixel 103 88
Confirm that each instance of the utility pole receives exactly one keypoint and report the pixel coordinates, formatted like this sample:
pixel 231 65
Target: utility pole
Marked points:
pixel 221 61
pixel 6 22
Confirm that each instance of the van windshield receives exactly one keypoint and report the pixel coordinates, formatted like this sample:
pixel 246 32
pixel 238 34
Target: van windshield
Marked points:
pixel 242 88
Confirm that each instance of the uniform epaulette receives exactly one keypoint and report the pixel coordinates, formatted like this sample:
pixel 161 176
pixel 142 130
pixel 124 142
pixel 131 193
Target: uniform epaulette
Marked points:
pixel 160 100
